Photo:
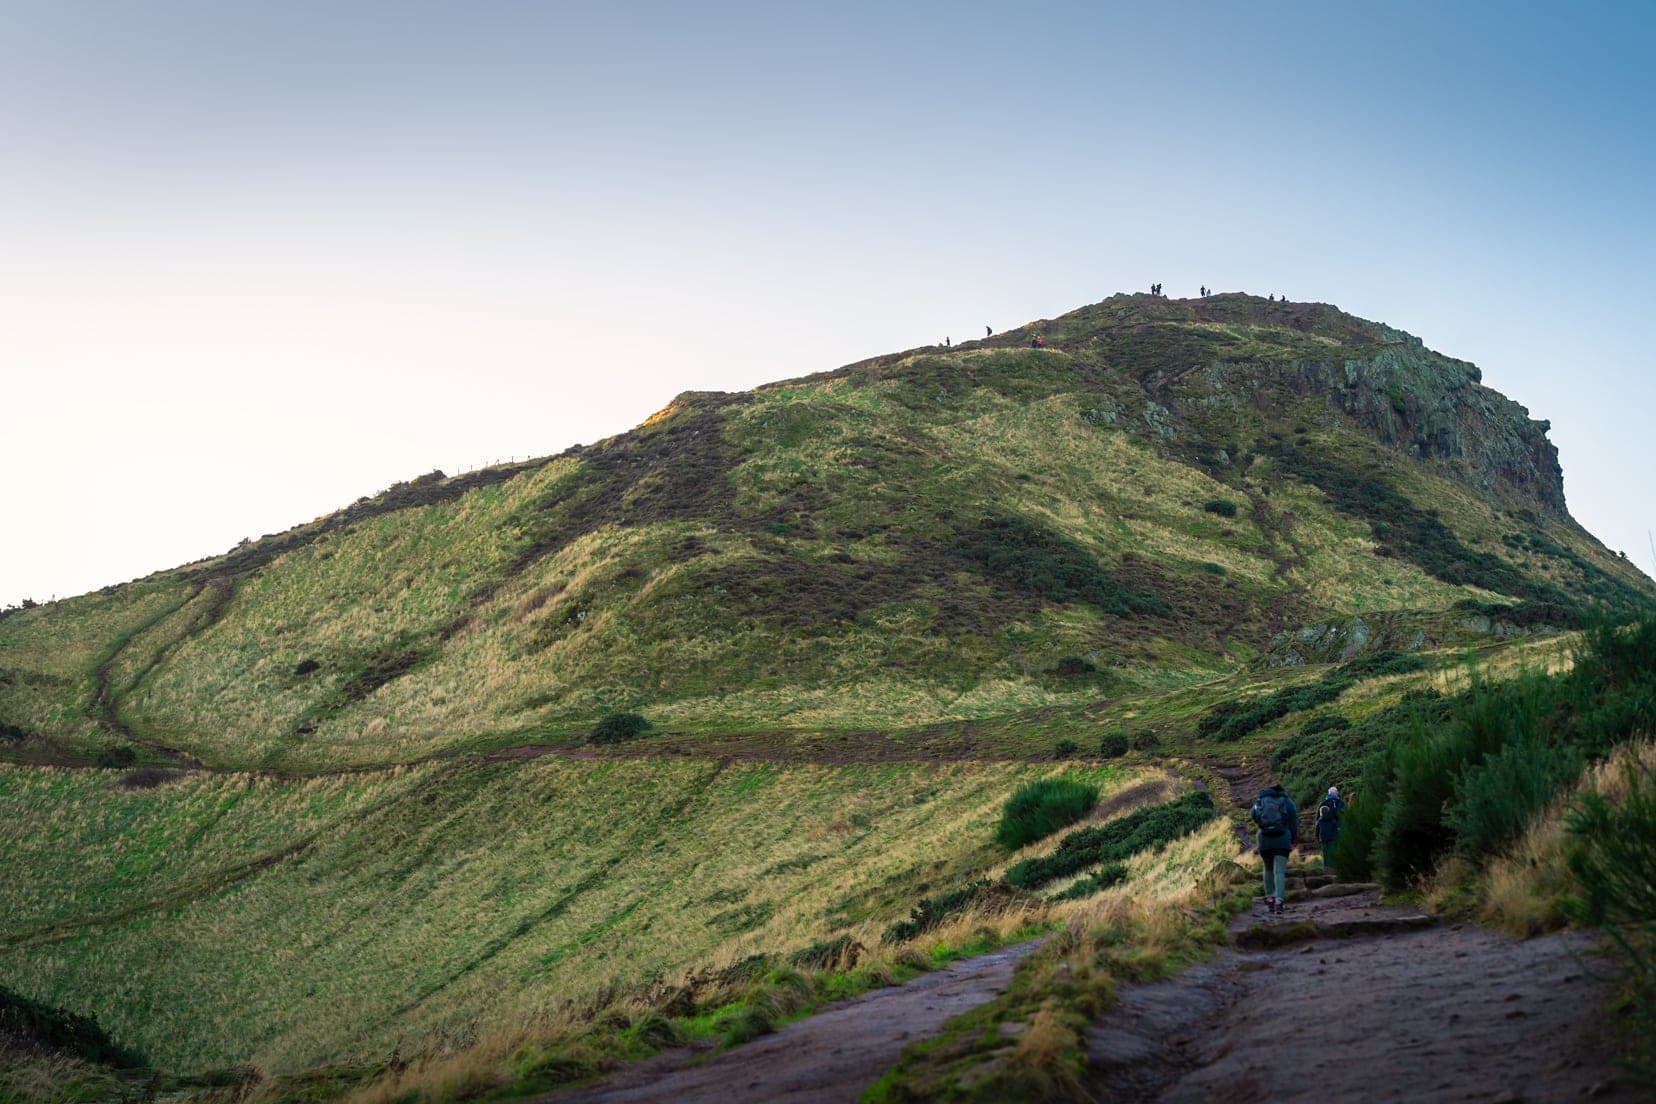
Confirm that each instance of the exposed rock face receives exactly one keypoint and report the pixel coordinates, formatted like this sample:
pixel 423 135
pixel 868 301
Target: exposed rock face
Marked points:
pixel 1433 407
pixel 1391 631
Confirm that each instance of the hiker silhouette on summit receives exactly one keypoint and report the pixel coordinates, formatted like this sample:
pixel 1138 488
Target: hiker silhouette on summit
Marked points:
pixel 1273 811
pixel 987 332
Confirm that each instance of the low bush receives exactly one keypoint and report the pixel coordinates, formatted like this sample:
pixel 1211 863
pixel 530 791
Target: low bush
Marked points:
pixel 1039 808
pixel 827 954
pixel 118 758
pixel 1073 667
pixel 1613 859
pixel 1475 768
pixel 1066 749
pixel 1224 507
pixel 1113 745
pixel 932 911
pixel 41 1025
pixel 11 733
pixel 617 728
pixel 1117 841
pixel 1103 878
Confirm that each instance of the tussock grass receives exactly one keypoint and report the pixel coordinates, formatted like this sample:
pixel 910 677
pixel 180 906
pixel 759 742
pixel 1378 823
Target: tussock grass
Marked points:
pixel 418 908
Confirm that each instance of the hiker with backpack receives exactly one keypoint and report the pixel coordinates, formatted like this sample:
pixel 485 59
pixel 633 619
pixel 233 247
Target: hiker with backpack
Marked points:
pixel 1328 822
pixel 1273 811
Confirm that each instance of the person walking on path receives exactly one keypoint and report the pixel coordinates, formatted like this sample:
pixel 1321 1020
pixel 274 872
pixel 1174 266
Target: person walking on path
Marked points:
pixel 1328 822
pixel 1273 811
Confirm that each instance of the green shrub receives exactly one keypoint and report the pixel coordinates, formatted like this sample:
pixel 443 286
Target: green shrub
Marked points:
pixel 617 728
pixel 1113 745
pixel 1476 767
pixel 36 1024
pixel 1224 507
pixel 1073 666
pixel 1039 808
pixel 932 911
pixel 1117 841
pixel 1103 878
pixel 1613 858
pixel 1494 799
pixel 118 758
pixel 1066 749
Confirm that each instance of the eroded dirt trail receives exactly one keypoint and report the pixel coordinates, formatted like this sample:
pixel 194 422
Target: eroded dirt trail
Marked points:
pixel 829 1058
pixel 1364 1002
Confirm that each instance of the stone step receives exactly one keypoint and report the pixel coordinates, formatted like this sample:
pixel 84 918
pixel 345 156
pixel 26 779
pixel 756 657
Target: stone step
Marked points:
pixel 1262 936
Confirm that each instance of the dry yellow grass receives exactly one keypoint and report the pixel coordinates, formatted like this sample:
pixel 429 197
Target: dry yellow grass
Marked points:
pixel 1522 889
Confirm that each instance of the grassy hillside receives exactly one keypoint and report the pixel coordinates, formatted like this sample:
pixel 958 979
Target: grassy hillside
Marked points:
pixel 228 919
pixel 859 609
pixel 919 539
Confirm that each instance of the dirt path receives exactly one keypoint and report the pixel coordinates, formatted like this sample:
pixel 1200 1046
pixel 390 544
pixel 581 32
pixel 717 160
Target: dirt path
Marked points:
pixel 1345 999
pixel 830 1057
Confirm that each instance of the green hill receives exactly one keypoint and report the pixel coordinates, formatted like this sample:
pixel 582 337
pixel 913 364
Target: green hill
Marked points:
pixel 348 809
pixel 913 540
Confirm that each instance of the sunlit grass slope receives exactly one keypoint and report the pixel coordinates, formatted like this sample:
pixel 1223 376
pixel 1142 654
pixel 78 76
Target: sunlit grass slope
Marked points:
pixel 226 919
pixel 916 539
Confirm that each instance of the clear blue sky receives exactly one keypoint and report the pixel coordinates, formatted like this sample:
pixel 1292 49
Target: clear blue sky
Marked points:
pixel 257 260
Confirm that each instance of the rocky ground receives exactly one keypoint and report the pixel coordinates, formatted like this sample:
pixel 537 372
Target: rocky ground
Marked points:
pixel 1345 999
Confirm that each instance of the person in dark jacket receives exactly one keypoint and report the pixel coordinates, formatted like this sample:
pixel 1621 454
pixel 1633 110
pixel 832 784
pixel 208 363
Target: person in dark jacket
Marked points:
pixel 1273 811
pixel 1329 811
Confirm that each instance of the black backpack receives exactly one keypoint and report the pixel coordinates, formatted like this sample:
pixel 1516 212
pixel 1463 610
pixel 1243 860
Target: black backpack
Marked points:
pixel 1329 810
pixel 1272 813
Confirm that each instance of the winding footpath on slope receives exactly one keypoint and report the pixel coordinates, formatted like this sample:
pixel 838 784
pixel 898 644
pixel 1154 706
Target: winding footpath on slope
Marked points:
pixel 1346 999
pixel 829 1058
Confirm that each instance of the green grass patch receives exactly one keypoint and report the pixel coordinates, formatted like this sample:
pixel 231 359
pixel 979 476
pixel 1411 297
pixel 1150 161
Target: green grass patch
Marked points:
pixel 1038 809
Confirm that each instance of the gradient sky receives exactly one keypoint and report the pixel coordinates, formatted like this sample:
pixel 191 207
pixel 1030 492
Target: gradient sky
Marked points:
pixel 259 259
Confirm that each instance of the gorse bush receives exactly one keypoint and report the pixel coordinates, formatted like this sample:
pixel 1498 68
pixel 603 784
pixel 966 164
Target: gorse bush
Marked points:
pixel 1113 745
pixel 1117 841
pixel 1102 878
pixel 616 728
pixel 1613 858
pixel 1038 809
pixel 1066 749
pixel 932 911
pixel 1224 507
pixel 1472 770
